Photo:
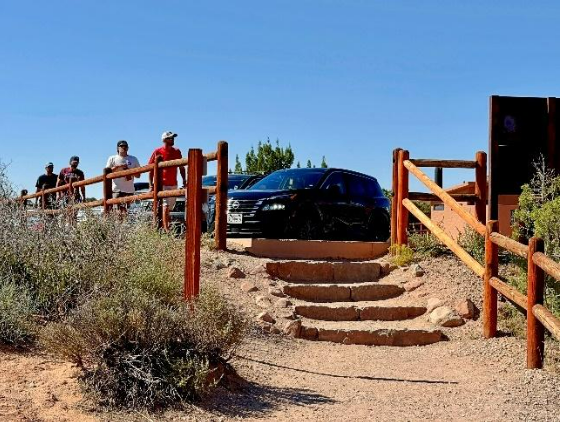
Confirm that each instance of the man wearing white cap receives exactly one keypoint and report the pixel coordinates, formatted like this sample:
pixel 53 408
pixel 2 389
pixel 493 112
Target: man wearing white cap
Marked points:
pixel 169 174
pixel 123 186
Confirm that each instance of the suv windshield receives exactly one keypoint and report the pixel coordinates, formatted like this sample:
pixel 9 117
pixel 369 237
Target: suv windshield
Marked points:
pixel 289 180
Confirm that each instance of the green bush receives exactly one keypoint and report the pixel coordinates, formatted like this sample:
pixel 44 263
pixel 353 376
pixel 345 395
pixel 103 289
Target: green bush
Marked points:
pixel 16 312
pixel 427 245
pixel 473 243
pixel 401 255
pixel 138 351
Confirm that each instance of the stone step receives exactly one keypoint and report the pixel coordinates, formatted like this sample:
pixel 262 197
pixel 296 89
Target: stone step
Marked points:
pixel 371 334
pixel 344 312
pixel 342 292
pixel 324 271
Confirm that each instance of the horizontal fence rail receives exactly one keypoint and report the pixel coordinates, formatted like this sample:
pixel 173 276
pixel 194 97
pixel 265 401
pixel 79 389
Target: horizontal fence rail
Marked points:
pixel 538 317
pixel 193 193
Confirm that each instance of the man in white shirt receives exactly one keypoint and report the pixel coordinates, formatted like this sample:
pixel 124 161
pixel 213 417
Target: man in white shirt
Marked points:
pixel 123 186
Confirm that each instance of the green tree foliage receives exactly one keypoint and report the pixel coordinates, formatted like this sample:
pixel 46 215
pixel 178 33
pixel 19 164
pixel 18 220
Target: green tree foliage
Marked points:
pixel 268 158
pixel 298 165
pixel 238 168
pixel 308 164
pixel 323 163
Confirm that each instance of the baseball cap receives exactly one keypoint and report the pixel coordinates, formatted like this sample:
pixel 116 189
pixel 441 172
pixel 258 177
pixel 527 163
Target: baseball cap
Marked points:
pixel 74 158
pixel 122 143
pixel 168 134
pixel 49 164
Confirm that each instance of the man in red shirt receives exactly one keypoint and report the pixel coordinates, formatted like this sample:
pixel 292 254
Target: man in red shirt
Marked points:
pixel 169 174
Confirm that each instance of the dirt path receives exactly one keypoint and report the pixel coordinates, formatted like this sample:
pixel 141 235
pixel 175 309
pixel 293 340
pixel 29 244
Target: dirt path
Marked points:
pixel 466 378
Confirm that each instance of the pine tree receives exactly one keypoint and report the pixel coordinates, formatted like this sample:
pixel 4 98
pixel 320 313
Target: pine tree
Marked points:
pixel 323 163
pixel 238 167
pixel 309 164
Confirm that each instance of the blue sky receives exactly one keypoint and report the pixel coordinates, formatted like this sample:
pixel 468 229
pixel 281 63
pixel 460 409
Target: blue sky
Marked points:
pixel 351 80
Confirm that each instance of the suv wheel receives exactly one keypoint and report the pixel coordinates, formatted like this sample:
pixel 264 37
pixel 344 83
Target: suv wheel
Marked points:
pixel 307 226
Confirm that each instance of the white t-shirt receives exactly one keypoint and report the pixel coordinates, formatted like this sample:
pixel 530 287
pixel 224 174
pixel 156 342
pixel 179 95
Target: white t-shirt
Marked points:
pixel 122 184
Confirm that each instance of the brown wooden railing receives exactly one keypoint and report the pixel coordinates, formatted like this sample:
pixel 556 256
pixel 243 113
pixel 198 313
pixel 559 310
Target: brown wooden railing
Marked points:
pixel 194 194
pixel 538 317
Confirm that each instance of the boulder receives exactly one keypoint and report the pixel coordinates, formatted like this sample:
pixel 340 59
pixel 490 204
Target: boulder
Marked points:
pixel 433 303
pixel 275 291
pixel 262 302
pixel 235 272
pixel 445 317
pixel 466 309
pixel 283 303
pixel 292 328
pixel 266 316
pixel 412 285
pixel 265 326
pixel 418 271
pixel 248 286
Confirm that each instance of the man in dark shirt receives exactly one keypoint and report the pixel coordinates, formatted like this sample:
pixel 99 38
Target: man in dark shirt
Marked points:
pixel 47 181
pixel 72 174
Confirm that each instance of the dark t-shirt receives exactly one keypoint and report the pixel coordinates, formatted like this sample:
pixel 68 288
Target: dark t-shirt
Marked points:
pixel 48 182
pixel 68 174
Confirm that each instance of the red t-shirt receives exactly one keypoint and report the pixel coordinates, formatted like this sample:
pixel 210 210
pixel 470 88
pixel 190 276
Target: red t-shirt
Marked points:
pixel 169 174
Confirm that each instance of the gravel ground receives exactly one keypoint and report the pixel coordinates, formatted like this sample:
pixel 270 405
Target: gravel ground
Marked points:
pixel 466 378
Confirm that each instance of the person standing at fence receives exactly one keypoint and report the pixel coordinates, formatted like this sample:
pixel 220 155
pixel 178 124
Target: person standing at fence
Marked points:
pixel 123 186
pixel 47 181
pixel 72 174
pixel 169 174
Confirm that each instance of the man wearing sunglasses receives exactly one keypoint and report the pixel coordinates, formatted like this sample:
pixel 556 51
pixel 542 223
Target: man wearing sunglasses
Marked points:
pixel 123 186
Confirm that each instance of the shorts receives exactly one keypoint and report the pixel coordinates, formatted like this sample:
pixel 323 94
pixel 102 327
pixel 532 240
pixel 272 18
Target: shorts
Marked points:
pixel 169 203
pixel 122 195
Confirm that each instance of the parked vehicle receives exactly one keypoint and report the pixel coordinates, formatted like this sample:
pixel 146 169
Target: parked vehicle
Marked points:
pixel 307 203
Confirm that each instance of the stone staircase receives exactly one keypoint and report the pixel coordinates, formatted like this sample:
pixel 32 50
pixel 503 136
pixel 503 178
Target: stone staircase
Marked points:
pixel 345 302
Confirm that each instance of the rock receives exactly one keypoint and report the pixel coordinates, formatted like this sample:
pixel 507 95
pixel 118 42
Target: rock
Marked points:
pixel 433 303
pixel 466 309
pixel 275 291
pixel 235 272
pixel 412 285
pixel 283 303
pixel 387 268
pixel 265 326
pixel 263 302
pixel 258 270
pixel 248 287
pixel 275 330
pixel 418 271
pixel 445 317
pixel 266 316
pixel 287 314
pixel 292 328
pixel 218 265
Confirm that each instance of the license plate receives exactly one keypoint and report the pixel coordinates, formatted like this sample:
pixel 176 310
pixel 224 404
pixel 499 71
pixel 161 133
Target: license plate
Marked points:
pixel 234 218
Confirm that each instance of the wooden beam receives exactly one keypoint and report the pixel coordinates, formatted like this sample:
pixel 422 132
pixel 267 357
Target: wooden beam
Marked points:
pixel 489 293
pixel 193 216
pixel 547 264
pixel 446 198
pixel 534 331
pixel 422 196
pixel 462 164
pixel 509 292
pixel 549 321
pixel 481 186
pixel 402 194
pixel 509 244
pixel 393 220
pixel 221 203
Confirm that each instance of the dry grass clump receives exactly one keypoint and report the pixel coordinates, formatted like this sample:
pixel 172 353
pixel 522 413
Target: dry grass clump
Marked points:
pixel 107 295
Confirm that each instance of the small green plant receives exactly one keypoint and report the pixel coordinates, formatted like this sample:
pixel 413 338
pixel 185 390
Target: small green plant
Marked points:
pixel 473 243
pixel 207 241
pixel 16 313
pixel 401 255
pixel 427 245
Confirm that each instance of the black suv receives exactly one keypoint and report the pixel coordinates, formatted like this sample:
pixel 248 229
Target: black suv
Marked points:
pixel 308 203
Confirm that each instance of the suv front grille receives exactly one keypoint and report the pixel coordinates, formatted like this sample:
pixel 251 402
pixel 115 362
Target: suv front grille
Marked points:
pixel 247 207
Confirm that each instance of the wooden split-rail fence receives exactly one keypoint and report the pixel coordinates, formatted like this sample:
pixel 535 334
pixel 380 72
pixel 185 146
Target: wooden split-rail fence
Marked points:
pixel 195 194
pixel 538 317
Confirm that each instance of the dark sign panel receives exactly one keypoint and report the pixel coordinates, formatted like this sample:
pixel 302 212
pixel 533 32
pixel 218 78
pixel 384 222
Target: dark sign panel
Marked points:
pixel 520 130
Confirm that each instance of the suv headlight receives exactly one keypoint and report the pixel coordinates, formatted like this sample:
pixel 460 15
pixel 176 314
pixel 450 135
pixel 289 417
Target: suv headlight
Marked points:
pixel 273 207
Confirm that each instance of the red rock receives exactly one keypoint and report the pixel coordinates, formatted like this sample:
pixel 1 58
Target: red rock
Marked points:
pixel 466 309
pixel 235 272
pixel 412 285
pixel 266 316
pixel 293 328
pixel 248 286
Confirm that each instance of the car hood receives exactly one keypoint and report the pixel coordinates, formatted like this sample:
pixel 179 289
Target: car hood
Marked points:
pixel 258 194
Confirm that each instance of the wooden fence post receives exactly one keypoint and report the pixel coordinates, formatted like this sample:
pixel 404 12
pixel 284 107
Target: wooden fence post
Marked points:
pixel 402 193
pixel 535 330
pixel 43 197
pixel 221 203
pixel 157 187
pixel 489 293
pixel 193 224
pixel 395 159
pixel 481 186
pixel 107 191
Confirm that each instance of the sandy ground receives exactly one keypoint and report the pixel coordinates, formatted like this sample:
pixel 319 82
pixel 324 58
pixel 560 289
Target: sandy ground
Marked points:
pixel 466 378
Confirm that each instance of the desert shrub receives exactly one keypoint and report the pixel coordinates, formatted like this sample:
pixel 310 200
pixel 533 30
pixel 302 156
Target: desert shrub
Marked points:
pixel 427 245
pixel 473 243
pixel 139 351
pixel 207 241
pixel 401 255
pixel 16 312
